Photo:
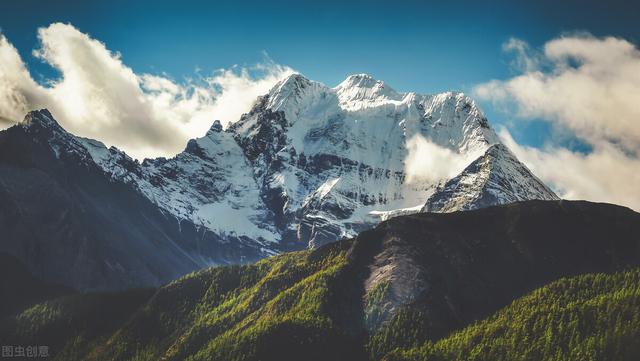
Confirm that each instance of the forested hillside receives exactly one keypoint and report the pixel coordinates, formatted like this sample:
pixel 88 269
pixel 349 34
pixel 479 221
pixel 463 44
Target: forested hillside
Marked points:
pixel 587 317
pixel 528 281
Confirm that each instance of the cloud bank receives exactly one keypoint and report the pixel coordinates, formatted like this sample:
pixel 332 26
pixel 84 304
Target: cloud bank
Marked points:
pixel 98 96
pixel 591 87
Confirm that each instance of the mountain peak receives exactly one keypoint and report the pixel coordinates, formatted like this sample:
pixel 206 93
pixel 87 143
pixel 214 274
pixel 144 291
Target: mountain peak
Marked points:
pixel 496 177
pixel 290 87
pixel 42 118
pixel 362 80
pixel 363 87
pixel 216 127
pixel 315 164
pixel 290 83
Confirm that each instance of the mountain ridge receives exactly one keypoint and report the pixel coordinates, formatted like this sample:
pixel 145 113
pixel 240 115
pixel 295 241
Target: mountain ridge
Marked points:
pixel 306 166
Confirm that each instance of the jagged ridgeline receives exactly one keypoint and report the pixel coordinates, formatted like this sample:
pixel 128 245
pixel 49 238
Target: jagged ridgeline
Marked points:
pixel 306 166
pixel 537 280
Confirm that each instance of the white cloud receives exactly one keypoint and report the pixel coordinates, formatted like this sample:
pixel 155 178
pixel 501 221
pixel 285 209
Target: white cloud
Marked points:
pixel 17 88
pixel 525 59
pixel 605 175
pixel 591 87
pixel 98 96
pixel 431 163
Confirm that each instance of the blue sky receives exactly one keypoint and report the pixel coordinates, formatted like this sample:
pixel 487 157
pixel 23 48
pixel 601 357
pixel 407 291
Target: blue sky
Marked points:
pixel 412 45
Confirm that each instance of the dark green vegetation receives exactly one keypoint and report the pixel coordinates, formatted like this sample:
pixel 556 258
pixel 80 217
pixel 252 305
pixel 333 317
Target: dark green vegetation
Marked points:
pixel 274 309
pixel 587 317
pixel 428 286
pixel 74 325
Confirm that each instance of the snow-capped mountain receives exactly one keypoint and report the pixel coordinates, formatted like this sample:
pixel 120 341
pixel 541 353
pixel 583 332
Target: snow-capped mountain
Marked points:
pixel 496 177
pixel 307 165
pixel 210 183
pixel 71 223
pixel 330 161
pixel 311 164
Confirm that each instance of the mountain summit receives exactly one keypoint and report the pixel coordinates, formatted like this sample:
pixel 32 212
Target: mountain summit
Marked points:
pixel 307 165
pixel 496 177
pixel 331 160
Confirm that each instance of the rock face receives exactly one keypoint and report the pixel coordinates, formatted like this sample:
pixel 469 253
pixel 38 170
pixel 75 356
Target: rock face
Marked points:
pixel 308 165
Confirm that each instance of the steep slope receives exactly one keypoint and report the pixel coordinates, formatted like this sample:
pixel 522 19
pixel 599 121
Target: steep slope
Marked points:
pixel 214 182
pixel 496 177
pixel 272 310
pixel 72 224
pixel 411 280
pixel 210 184
pixel 587 317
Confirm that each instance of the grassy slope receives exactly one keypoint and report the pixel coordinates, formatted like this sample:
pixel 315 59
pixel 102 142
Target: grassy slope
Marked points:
pixel 587 317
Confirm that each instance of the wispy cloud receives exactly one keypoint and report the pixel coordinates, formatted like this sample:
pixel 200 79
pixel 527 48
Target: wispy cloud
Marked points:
pixel 431 163
pixel 591 87
pixel 98 96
